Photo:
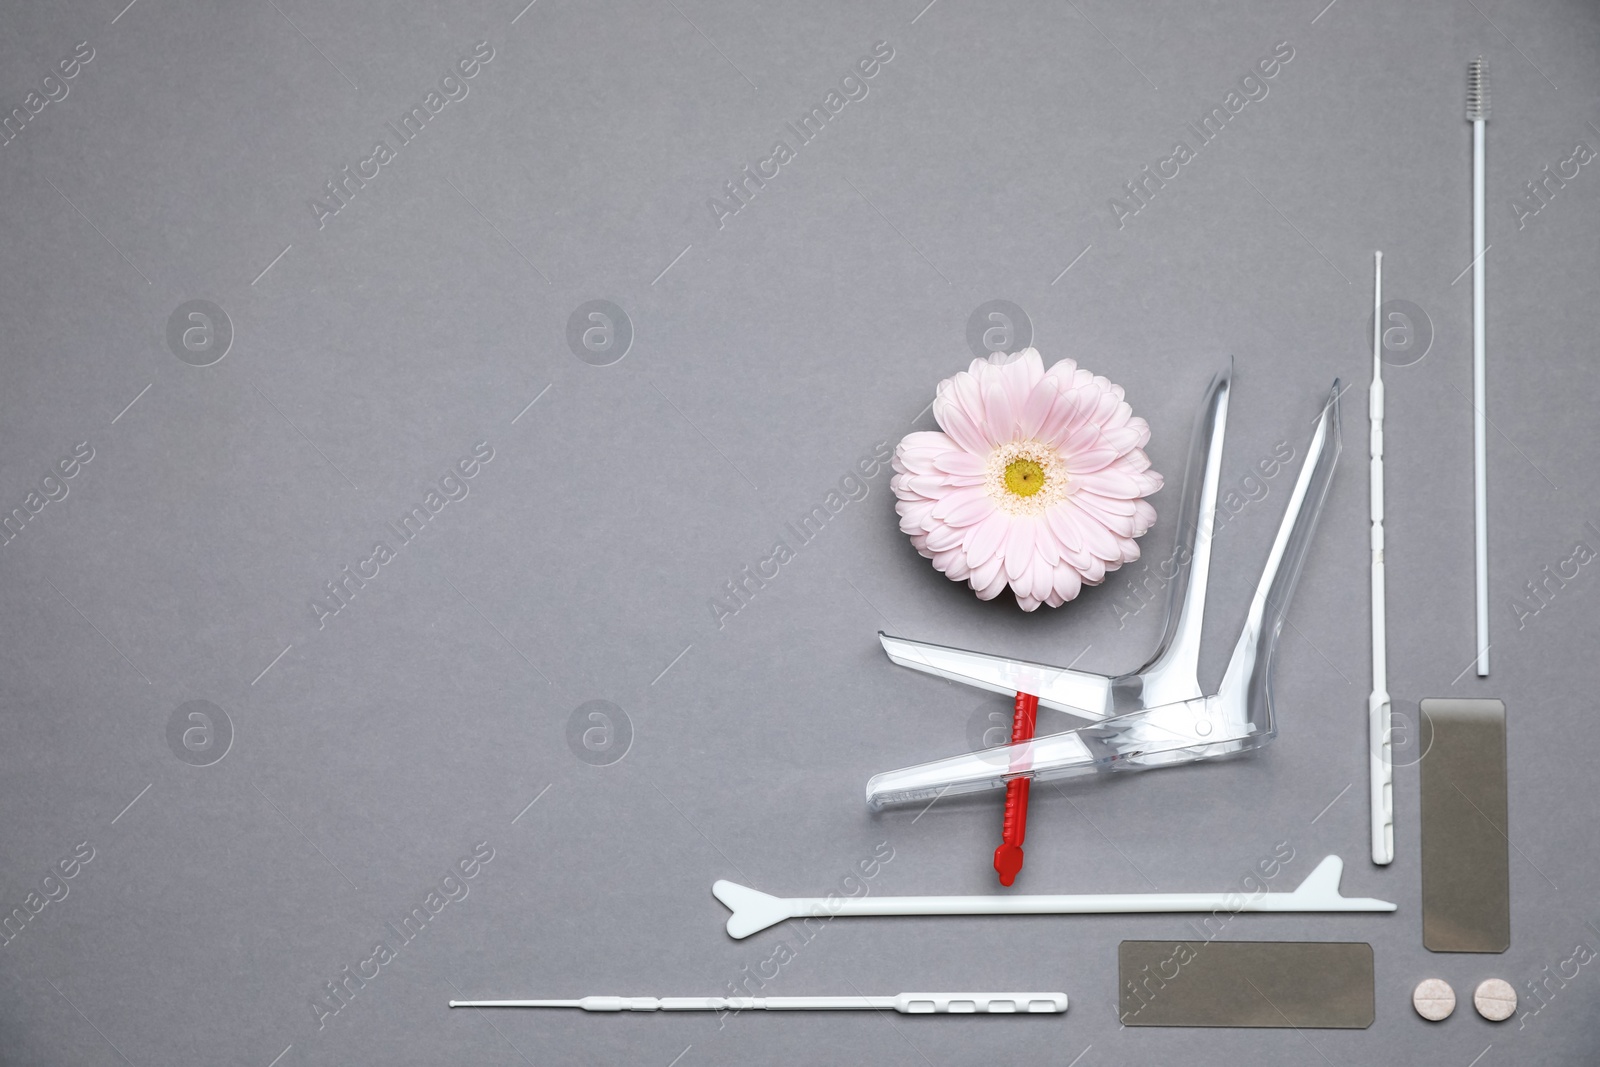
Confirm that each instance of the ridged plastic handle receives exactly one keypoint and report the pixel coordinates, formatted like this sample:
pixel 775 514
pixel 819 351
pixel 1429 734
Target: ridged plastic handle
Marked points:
pixel 980 1003
pixel 1014 824
pixel 905 1003
pixel 1380 779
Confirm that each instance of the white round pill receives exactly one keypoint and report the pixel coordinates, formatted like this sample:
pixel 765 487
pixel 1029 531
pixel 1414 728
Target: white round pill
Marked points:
pixel 1495 1000
pixel 1434 999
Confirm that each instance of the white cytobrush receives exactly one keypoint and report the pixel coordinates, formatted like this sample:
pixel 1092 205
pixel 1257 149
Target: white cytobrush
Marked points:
pixel 1478 115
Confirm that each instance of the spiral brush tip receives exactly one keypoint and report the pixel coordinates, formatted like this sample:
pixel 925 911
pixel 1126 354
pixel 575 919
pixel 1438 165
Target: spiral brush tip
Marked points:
pixel 1477 90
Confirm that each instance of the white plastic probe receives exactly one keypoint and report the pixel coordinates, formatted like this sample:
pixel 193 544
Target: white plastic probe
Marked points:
pixel 905 1003
pixel 1379 744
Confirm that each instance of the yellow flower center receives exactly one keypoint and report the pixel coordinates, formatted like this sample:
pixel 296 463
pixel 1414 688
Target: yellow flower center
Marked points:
pixel 1024 477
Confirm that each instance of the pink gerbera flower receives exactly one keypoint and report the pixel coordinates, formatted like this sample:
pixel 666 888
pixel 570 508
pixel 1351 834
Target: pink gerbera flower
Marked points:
pixel 1038 480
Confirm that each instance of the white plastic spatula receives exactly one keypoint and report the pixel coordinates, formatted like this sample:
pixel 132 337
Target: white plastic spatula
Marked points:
pixel 905 1003
pixel 754 911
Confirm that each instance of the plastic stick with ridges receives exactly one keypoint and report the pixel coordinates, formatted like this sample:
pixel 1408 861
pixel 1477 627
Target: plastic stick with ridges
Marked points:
pixel 904 1003
pixel 1014 826
pixel 1380 760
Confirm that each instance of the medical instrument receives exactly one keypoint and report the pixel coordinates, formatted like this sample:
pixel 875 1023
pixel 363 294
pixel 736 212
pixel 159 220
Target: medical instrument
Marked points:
pixel 754 911
pixel 1380 771
pixel 905 1003
pixel 1465 824
pixel 1478 115
pixel 1299 984
pixel 1157 716
pixel 1014 825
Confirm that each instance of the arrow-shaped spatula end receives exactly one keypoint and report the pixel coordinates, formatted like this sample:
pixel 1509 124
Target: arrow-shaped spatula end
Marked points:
pixel 753 910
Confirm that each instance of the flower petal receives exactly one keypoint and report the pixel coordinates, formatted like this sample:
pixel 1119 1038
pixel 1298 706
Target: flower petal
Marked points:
pixel 1108 505
pixel 1123 438
pixel 964 506
pixel 984 539
pixel 913 513
pixel 1040 579
pixel 916 460
pixel 953 418
pixel 1036 406
pixel 1064 524
pixel 952 564
pixel 1019 373
pixel 966 389
pixel 992 590
pixel 1068 583
pixel 1058 423
pixel 957 461
pixel 1122 525
pixel 944 538
pixel 1144 517
pixel 1110 397
pixel 927 439
pixel 1096 538
pixel 1088 460
pixel 1062 369
pixel 988 577
pixel 931 486
pixel 1019 546
pixel 1045 543
pixel 1108 481
pixel 1094 570
pixel 1000 422
pixel 1081 437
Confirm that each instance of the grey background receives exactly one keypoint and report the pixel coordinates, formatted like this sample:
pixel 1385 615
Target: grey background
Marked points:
pixel 769 355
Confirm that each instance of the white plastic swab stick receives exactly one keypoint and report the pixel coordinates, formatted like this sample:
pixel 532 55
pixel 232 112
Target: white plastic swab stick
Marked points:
pixel 905 1003
pixel 754 911
pixel 1478 115
pixel 1380 757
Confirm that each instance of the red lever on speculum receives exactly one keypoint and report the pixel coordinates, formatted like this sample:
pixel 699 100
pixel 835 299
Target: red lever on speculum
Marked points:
pixel 1008 857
